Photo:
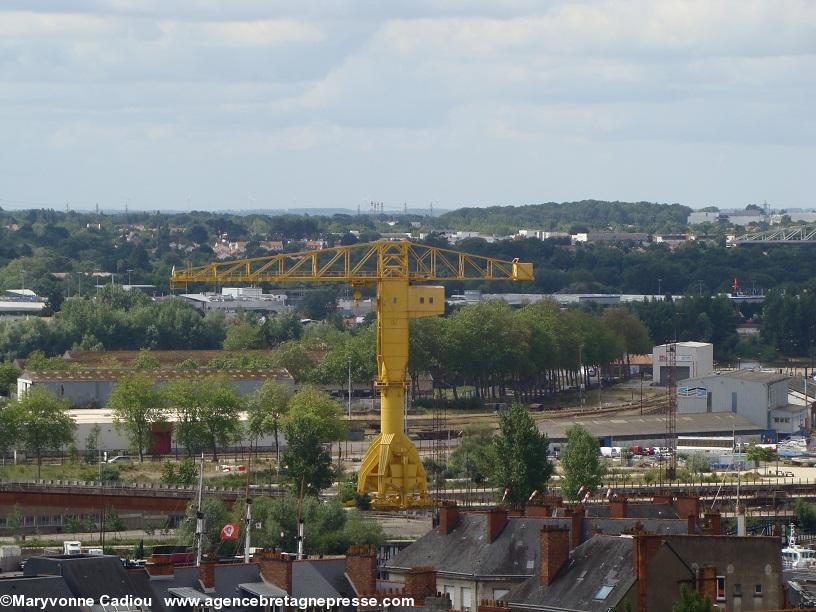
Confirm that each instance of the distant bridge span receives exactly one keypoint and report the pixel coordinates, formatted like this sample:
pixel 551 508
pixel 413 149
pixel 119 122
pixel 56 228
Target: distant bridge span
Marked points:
pixel 801 234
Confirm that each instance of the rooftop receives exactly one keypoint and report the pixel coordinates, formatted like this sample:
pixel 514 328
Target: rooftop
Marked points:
pixel 755 376
pixel 97 375
pixel 647 426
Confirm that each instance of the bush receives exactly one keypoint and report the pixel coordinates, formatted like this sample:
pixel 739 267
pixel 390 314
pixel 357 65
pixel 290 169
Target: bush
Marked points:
pixel 109 473
pixel 183 473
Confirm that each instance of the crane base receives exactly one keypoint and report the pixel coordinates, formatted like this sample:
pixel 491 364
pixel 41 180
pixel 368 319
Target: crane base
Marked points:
pixel 393 474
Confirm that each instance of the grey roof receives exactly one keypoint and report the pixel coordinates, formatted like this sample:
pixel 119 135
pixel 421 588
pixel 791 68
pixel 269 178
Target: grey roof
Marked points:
pixel 466 551
pixel 89 576
pixel 608 526
pixel 262 589
pixel 749 375
pixel 638 427
pixel 320 578
pixel 227 580
pixel 797 383
pixel 188 593
pixel 635 511
pixel 601 561
pixel 36 586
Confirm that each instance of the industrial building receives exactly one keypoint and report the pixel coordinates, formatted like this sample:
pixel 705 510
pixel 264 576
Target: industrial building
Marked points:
pixel 691 359
pixel 232 299
pixel 759 397
pixel 91 387
pixel 21 302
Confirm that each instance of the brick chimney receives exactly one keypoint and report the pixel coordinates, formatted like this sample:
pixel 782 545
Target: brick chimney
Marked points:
pixel 420 582
pixel 646 545
pixel 361 568
pixel 448 518
pixel 543 506
pixel 707 583
pixel 159 565
pixel 617 507
pixel 555 548
pixel 692 524
pixel 496 522
pixel 687 503
pixel 276 568
pixel 712 523
pixel 576 514
pixel 206 572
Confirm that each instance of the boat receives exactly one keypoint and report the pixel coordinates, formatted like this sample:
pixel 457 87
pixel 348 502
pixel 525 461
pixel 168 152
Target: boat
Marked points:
pixel 795 556
pixel 806 459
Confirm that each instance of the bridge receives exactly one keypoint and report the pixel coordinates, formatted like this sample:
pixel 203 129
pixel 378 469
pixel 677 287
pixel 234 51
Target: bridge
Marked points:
pixel 800 234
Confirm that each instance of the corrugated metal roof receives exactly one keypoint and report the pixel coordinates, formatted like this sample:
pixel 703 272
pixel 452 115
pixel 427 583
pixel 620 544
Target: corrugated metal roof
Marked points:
pixel 94 375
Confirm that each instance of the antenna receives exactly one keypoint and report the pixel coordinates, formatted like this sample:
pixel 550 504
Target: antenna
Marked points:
pixel 300 521
pixel 248 515
pixel 199 534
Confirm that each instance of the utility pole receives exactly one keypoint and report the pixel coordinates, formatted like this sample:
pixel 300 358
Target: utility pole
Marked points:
pixel 581 375
pixel 199 534
pixel 349 405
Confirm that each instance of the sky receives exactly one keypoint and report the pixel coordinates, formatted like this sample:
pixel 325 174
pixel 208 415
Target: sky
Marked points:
pixel 206 104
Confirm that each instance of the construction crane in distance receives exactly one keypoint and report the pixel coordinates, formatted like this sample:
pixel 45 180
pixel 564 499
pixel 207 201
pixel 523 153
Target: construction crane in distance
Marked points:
pixel 391 471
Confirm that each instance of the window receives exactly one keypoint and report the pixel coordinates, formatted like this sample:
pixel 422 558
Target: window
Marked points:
pixel 758 590
pixel 720 588
pixel 499 593
pixel 467 601
pixel 603 592
pixel 451 592
pixel 430 300
pixel 421 300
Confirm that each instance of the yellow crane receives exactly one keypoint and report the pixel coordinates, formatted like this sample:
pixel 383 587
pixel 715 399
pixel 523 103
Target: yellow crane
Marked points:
pixel 391 470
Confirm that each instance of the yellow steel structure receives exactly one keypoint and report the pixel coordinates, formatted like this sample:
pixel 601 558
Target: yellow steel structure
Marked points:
pixel 391 470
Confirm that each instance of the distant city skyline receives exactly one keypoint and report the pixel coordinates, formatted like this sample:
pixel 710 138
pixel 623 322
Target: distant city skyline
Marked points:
pixel 181 104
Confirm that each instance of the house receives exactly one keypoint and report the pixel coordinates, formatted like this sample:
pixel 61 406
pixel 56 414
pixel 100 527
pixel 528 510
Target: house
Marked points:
pixel 272 246
pixel 647 571
pixel 760 397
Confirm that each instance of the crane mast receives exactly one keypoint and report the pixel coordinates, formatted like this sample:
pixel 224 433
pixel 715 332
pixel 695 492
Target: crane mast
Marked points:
pixel 391 470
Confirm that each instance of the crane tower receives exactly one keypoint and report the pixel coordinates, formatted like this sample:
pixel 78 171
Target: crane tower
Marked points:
pixel 391 470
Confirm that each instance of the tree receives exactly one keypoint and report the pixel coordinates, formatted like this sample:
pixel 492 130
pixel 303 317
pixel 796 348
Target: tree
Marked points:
pixel 581 463
pixel 760 454
pixel 10 417
pixel 805 515
pixel 307 458
pixel 136 404
pixel 92 443
pixel 243 336
pixel 216 516
pixel 473 456
pixel 45 424
pixel 325 412
pixel 266 409
pixel 14 522
pixel 146 361
pixel 521 450
pixel 207 412
pixel 692 601
pixel 8 378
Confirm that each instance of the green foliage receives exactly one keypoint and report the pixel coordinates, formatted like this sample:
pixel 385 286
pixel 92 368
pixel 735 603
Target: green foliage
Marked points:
pixel 692 601
pixel 109 473
pixel 8 378
pixel 581 463
pixel 146 361
pixel 306 463
pixel 44 423
pixel 698 463
pixel 184 472
pixel 318 407
pixel 760 454
pixel 805 515
pixel 473 457
pixel 266 409
pixel 348 492
pixel 206 413
pixel 523 466
pixel 188 364
pixel 216 516
pixel 136 405
pixel 14 522
pixel 37 360
pixel 242 336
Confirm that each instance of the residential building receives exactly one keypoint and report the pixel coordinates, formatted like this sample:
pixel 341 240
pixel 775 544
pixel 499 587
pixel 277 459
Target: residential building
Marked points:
pixel 272 246
pixel 592 237
pixel 760 397
pixel 691 359
pixel 647 571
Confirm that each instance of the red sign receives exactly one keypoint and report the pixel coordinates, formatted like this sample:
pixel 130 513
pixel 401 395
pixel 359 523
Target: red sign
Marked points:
pixel 230 531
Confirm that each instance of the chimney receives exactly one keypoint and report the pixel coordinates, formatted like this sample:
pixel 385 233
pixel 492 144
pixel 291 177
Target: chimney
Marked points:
pixel 554 542
pixel 617 507
pixel 646 545
pixel 448 518
pixel 707 584
pixel 687 503
pixel 576 514
pixel 496 521
pixel 420 582
pixel 159 565
pixel 206 572
pixel 276 568
pixel 692 524
pixel 712 524
pixel 361 568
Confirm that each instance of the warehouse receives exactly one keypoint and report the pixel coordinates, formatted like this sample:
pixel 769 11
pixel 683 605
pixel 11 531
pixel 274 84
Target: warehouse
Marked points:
pixel 759 397
pixel 650 430
pixel 91 387
pixel 692 359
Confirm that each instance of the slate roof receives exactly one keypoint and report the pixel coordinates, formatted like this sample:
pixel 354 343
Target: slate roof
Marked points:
pixel 320 578
pixel 89 576
pixel 609 526
pixel 227 580
pixel 466 551
pixel 601 561
pixel 36 586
